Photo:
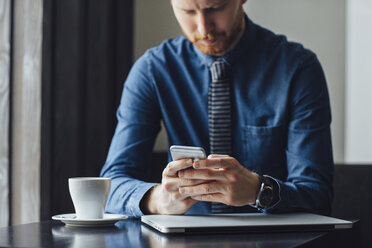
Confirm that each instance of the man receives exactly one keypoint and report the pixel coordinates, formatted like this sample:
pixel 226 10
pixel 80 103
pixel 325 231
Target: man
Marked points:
pixel 275 154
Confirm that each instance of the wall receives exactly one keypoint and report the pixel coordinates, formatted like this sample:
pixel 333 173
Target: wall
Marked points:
pixel 26 111
pixel 4 109
pixel 318 24
pixel 20 95
pixel 358 119
pixel 153 22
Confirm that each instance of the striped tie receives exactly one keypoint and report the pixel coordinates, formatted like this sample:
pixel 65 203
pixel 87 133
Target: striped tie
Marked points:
pixel 219 116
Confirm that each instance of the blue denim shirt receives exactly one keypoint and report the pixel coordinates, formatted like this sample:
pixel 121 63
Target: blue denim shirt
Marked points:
pixel 281 118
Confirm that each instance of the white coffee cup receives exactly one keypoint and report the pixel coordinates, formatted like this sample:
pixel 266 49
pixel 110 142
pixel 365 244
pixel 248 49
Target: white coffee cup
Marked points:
pixel 89 196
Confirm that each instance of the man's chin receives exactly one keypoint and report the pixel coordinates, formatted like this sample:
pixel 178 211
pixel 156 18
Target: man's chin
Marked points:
pixel 211 50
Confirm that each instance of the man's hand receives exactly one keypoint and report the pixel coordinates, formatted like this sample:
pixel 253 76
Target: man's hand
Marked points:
pixel 231 184
pixel 166 198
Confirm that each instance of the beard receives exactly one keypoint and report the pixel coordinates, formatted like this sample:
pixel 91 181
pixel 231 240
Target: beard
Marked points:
pixel 222 43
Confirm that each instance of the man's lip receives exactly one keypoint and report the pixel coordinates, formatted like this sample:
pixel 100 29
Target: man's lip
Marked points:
pixel 208 42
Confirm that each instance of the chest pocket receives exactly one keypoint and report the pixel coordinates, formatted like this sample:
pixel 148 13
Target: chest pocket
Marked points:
pixel 264 148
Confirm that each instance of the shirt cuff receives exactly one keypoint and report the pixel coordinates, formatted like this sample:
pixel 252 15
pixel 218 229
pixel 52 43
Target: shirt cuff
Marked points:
pixel 134 206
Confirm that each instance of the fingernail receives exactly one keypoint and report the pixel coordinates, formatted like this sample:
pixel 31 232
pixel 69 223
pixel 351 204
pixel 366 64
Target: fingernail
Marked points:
pixel 180 173
pixel 182 190
pixel 196 164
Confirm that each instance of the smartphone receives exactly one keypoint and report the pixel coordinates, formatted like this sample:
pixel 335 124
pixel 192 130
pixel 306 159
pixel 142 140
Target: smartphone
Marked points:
pixel 193 152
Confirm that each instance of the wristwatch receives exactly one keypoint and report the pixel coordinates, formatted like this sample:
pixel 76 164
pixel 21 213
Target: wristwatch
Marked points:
pixel 265 194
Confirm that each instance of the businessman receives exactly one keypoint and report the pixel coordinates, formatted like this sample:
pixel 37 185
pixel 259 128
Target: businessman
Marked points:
pixel 257 103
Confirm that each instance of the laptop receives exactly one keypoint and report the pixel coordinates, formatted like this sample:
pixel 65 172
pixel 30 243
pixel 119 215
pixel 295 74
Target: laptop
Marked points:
pixel 246 222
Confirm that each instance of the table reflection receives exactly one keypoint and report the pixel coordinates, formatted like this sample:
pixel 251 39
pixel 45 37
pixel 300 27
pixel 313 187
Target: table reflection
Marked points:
pixel 224 240
pixel 133 233
pixel 157 239
pixel 125 233
pixel 86 236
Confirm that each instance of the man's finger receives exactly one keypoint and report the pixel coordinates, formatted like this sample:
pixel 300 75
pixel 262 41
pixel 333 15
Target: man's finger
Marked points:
pixel 173 183
pixel 217 156
pixel 216 162
pixel 175 166
pixel 177 196
pixel 182 182
pixel 201 189
pixel 200 174
pixel 216 197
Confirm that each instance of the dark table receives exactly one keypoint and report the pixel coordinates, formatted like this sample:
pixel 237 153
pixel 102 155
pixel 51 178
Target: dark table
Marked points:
pixel 132 233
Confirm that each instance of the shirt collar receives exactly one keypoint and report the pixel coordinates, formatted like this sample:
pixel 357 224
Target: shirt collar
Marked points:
pixel 239 49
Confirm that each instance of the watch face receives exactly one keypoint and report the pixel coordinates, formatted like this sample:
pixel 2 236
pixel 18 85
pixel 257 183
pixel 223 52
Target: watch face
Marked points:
pixel 266 196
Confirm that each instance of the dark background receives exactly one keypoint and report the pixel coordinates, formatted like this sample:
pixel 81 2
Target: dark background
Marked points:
pixel 87 53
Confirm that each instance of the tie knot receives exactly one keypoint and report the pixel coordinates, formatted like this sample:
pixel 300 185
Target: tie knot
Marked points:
pixel 219 70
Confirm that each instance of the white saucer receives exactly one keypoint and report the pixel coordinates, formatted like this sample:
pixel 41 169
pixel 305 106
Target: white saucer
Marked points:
pixel 107 220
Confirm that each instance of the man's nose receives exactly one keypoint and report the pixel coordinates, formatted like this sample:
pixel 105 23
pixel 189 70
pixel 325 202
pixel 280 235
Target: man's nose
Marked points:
pixel 205 24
